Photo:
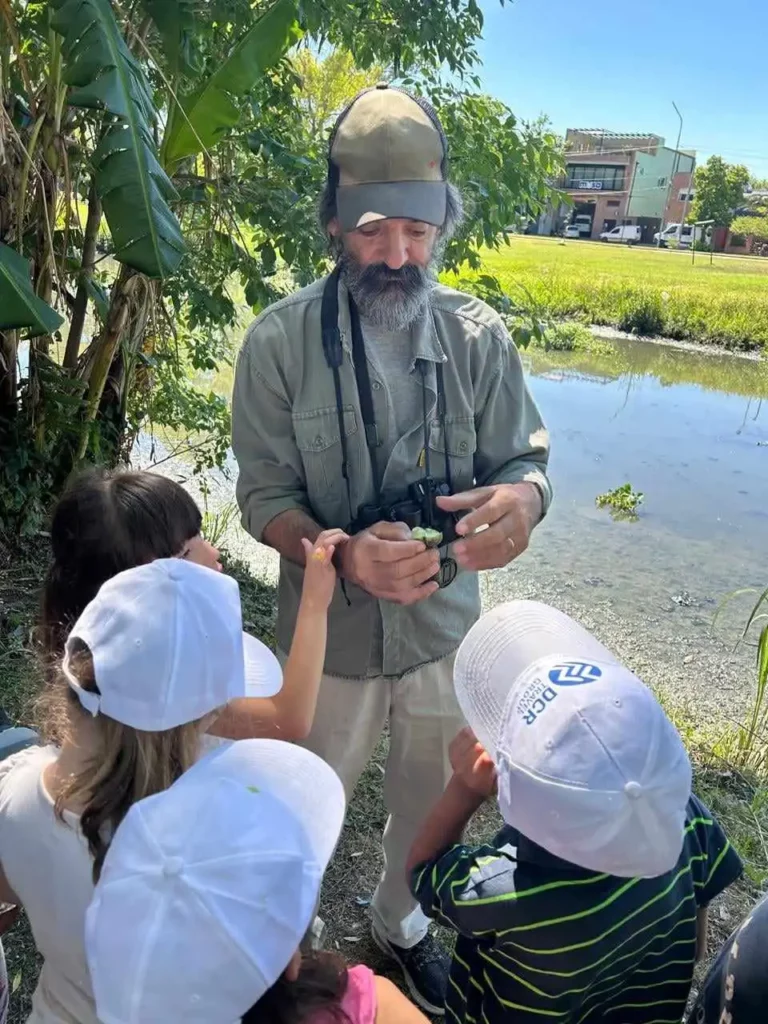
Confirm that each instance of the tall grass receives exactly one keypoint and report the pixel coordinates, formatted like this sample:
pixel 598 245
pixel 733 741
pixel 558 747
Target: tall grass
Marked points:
pixel 642 291
pixel 746 745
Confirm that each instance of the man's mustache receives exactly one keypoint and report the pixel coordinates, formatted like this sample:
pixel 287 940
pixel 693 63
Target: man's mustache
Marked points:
pixel 406 277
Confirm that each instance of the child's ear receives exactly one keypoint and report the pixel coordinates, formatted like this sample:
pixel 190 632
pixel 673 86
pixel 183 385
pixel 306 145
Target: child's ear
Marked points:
pixel 292 971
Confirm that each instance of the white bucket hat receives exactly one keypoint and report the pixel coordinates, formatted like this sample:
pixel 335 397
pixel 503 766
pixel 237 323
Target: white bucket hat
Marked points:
pixel 168 647
pixel 589 766
pixel 209 887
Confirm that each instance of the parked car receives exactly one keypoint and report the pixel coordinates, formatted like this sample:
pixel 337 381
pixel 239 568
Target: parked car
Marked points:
pixel 573 231
pixel 630 234
pixel 679 234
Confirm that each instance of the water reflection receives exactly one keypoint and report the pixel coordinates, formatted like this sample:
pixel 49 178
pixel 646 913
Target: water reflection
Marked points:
pixel 690 431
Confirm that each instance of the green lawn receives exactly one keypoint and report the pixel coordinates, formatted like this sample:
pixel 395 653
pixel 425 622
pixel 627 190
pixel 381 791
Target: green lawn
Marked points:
pixel 649 291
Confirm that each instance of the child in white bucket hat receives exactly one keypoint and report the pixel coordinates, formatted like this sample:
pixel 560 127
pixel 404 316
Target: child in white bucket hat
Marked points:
pixel 148 666
pixel 587 905
pixel 207 891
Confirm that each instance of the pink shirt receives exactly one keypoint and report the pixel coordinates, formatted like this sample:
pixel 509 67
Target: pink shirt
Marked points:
pixel 359 1002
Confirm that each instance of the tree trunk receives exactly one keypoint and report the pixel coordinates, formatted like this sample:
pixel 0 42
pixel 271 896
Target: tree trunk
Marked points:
pixel 94 367
pixel 8 375
pixel 86 273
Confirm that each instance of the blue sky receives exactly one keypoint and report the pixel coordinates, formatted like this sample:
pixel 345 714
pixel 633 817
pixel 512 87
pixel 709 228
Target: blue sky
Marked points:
pixel 619 65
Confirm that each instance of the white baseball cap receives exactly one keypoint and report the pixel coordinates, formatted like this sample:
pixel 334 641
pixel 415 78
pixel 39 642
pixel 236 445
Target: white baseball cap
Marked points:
pixel 589 766
pixel 168 647
pixel 209 887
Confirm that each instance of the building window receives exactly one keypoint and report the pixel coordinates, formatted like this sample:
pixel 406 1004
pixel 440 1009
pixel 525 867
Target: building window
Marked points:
pixel 686 197
pixel 662 182
pixel 595 177
pixel 613 202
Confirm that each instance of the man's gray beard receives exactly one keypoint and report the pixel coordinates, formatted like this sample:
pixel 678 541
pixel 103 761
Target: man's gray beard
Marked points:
pixel 386 298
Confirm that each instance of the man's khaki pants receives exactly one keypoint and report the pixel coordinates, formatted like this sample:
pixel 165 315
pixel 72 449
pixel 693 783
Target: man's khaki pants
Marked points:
pixel 423 719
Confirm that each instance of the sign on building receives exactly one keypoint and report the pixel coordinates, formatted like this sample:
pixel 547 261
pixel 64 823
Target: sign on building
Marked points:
pixel 590 185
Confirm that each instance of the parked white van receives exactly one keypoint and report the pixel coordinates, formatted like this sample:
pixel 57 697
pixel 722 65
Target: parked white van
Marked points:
pixel 681 234
pixel 630 234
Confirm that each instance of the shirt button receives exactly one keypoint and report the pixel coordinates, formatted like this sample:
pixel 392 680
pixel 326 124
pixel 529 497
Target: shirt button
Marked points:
pixel 377 385
pixel 318 441
pixel 462 446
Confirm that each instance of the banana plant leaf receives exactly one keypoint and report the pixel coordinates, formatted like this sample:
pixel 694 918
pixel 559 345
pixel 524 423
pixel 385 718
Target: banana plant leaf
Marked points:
pixel 175 23
pixel 133 187
pixel 209 111
pixel 19 306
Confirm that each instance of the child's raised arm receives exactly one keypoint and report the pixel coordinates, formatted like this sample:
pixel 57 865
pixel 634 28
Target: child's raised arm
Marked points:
pixel 289 714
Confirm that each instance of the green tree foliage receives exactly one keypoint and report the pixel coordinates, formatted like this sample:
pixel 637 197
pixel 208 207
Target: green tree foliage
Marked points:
pixel 719 191
pixel 327 85
pixel 754 227
pixel 162 162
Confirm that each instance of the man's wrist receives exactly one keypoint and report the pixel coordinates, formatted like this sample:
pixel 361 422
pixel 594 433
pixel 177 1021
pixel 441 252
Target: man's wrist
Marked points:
pixel 342 560
pixel 531 498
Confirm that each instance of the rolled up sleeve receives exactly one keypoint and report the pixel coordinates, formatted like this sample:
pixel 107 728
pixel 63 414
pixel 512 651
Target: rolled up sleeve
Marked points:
pixel 512 440
pixel 469 889
pixel 271 475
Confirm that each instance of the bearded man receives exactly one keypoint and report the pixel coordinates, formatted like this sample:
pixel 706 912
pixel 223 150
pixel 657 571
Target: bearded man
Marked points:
pixel 375 400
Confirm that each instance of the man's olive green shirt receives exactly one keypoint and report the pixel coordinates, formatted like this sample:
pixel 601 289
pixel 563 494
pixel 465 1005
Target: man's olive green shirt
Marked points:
pixel 285 435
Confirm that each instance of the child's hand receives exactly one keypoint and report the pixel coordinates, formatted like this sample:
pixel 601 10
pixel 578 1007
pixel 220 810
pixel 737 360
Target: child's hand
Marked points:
pixel 472 764
pixel 319 571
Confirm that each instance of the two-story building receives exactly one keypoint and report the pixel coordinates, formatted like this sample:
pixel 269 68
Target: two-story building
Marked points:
pixel 616 178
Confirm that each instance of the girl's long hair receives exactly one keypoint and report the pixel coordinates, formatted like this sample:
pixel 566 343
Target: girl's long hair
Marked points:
pixel 104 523
pixel 320 986
pixel 126 765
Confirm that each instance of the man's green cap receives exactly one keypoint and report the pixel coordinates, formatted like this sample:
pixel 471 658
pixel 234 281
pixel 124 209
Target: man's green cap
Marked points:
pixel 388 156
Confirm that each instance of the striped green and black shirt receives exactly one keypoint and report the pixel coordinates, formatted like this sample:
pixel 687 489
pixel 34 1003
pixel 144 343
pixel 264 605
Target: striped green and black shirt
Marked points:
pixel 540 940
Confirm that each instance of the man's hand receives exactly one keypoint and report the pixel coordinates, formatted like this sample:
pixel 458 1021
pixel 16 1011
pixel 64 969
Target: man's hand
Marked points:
pixel 385 562
pixel 472 764
pixel 509 511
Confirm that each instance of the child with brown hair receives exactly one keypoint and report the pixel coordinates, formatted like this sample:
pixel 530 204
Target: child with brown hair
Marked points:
pixel 107 522
pixel 148 667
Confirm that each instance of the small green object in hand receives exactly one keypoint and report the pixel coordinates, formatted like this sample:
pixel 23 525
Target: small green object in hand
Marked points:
pixel 432 538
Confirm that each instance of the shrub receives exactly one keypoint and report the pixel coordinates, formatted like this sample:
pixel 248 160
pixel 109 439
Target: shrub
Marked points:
pixel 642 313
pixel 757 227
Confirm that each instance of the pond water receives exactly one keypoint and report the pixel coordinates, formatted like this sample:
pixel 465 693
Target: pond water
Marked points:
pixel 689 430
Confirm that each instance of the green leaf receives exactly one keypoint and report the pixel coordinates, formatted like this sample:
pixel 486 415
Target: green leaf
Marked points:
pixel 100 296
pixel 97 63
pixel 19 306
pixel 133 187
pixel 210 110
pixel 174 21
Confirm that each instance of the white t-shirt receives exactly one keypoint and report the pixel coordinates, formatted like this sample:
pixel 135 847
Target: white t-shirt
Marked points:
pixel 48 866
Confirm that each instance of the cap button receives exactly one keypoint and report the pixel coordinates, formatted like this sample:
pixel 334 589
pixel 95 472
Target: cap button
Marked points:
pixel 173 866
pixel 633 790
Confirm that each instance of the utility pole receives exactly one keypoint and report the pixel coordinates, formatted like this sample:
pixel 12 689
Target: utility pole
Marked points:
pixel 674 172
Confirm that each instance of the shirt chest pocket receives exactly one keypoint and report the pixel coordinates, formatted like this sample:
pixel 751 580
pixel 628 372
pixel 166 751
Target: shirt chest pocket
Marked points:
pixel 318 439
pixel 460 441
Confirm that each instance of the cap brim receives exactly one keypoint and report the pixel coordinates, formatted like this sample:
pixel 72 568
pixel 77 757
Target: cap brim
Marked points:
pixel 425 201
pixel 303 782
pixel 498 650
pixel 263 674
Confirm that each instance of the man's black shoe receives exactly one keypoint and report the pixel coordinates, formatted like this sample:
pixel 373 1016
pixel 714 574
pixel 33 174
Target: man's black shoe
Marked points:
pixel 425 967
